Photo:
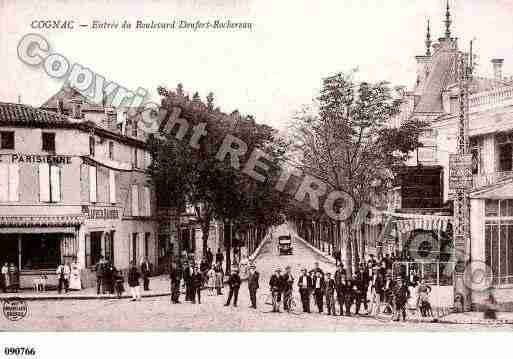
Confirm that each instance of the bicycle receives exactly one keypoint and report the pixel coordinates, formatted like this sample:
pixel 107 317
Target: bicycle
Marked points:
pixel 292 307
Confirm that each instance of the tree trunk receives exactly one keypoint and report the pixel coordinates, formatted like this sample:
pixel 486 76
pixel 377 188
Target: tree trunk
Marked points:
pixel 228 246
pixel 348 260
pixel 205 229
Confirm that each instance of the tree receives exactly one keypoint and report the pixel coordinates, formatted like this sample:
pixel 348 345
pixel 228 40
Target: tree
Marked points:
pixel 185 174
pixel 344 139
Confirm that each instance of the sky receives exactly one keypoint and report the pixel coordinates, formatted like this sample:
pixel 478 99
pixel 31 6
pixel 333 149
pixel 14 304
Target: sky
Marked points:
pixel 268 72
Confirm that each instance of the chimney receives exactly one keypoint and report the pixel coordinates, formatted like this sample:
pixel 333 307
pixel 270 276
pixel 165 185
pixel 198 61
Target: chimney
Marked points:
pixel 497 68
pixel 76 108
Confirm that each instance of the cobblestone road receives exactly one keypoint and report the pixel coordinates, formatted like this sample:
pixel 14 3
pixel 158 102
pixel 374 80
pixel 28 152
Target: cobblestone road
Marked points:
pixel 159 314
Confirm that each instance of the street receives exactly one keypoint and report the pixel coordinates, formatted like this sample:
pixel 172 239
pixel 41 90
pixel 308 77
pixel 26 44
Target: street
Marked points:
pixel 159 314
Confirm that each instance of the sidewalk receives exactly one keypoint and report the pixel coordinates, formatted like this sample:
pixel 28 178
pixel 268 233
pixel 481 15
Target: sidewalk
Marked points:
pixel 159 286
pixel 477 318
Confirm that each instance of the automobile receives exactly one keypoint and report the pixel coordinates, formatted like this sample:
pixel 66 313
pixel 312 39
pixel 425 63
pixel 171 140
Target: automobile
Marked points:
pixel 285 244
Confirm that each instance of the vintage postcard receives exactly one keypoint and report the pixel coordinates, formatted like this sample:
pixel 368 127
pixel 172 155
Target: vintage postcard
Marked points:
pixel 244 165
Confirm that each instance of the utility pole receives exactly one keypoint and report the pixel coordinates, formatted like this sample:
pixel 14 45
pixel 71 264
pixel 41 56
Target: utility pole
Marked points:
pixel 462 169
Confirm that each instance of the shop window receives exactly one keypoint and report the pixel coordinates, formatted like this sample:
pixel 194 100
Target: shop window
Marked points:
pixel 112 186
pixel 7 140
pixel 93 181
pixel 499 240
pixel 48 140
pixel 9 182
pixel 92 146
pixel 40 251
pixel 135 201
pixel 49 183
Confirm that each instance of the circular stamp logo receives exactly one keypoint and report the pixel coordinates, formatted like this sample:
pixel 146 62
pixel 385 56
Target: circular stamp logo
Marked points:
pixel 14 309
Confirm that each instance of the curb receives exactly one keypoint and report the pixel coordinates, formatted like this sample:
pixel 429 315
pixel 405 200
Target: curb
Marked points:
pixel 82 297
pixel 259 248
pixel 327 257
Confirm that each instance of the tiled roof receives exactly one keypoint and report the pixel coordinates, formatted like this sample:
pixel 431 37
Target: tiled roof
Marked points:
pixel 14 113
pixel 442 75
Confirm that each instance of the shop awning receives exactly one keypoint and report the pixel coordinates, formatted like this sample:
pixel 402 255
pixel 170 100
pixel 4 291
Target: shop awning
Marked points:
pixel 41 221
pixel 407 222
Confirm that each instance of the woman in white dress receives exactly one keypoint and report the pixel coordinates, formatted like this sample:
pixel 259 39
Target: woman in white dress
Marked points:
pixel 74 281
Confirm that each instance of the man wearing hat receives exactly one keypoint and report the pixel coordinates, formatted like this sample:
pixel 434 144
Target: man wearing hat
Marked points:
pixel 275 284
pixel 234 283
pixel 288 281
pixel 401 293
pixel 305 284
pixel 253 286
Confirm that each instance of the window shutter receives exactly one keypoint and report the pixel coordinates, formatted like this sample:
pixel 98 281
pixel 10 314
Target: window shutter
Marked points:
pixel 112 186
pixel 147 203
pixel 135 201
pixel 4 182
pixel 92 184
pixel 55 178
pixel 14 180
pixel 44 182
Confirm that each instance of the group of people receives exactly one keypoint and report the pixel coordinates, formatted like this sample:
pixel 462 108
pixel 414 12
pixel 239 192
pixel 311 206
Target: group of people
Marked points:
pixel 208 275
pixel 9 280
pixel 372 283
pixel 110 280
pixel 68 277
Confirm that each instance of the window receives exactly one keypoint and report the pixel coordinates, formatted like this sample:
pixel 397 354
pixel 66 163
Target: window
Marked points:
pixel 505 157
pixel 48 139
pixel 40 251
pixel 49 183
pixel 147 244
pixel 112 186
pixel 7 140
pixel 135 201
pixel 93 248
pixel 134 248
pixel 93 190
pixel 134 158
pixel 9 182
pixel 92 145
pixel 499 240
pixel 111 150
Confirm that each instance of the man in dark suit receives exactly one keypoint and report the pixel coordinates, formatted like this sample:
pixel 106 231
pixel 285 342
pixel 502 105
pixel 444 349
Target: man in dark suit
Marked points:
pixel 340 273
pixel 253 285
pixel 175 275
pixel 276 286
pixel 196 284
pixel 319 286
pixel 219 256
pixel 304 283
pixel 287 283
pixel 100 268
pixel 361 282
pixel 187 278
pixel 145 271
pixel 234 283
pixel 210 257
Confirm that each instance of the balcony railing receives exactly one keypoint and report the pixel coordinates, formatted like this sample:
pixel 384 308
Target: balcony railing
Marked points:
pixel 487 179
pixel 491 98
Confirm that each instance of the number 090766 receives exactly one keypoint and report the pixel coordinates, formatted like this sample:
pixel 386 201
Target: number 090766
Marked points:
pixel 19 351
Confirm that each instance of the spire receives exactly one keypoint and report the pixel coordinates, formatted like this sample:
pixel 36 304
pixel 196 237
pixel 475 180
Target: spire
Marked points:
pixel 448 22
pixel 428 39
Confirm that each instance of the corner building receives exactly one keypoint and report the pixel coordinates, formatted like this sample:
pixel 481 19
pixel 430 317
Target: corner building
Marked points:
pixel 73 188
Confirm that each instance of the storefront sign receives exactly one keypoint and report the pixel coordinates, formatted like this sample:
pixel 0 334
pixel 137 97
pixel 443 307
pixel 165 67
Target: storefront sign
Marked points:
pixel 460 171
pixel 50 159
pixel 94 212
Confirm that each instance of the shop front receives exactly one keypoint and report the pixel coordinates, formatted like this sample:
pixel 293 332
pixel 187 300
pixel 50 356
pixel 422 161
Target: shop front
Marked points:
pixel 36 245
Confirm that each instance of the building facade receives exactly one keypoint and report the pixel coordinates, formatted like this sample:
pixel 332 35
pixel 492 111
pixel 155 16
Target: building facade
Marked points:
pixel 72 188
pixel 435 99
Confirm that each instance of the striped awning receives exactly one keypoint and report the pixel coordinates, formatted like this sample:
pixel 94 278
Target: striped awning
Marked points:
pixel 41 221
pixel 407 222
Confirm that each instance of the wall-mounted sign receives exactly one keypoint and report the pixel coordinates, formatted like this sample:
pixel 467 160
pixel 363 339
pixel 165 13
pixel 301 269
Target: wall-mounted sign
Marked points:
pixel 98 212
pixel 50 159
pixel 460 171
